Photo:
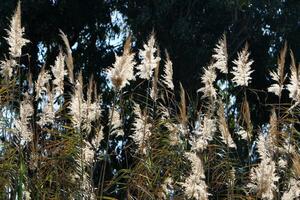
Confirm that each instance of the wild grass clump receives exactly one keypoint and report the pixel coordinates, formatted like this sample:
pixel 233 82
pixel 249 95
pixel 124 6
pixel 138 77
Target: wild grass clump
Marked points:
pixel 61 139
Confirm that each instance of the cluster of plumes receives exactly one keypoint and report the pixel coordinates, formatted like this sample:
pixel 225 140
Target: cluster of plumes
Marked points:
pixel 263 177
pixel 279 78
pixel 83 111
pixel 122 71
pixel 220 61
pixel 15 41
pixel 241 70
pixel 195 186
pixel 142 129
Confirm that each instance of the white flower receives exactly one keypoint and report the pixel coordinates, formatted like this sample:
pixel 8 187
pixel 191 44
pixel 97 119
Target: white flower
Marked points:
pixel 208 79
pixel 141 129
pixel 15 34
pixel 263 178
pixel 7 67
pixel 242 70
pixel 204 131
pixel 220 55
pixel 122 71
pixel 168 76
pixel 149 59
pixel 40 85
pixel 59 73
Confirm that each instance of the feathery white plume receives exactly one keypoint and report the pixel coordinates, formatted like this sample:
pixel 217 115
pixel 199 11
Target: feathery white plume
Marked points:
pixel 122 71
pixel 195 186
pixel 293 191
pixel 279 76
pixel 7 67
pixel 208 79
pixel 88 153
pixel 294 86
pixel 263 178
pixel 149 59
pixel 220 55
pixel 117 123
pixel 59 72
pixel 275 88
pixel 141 129
pixel 22 124
pixel 168 76
pixel 40 85
pixel 15 33
pixel 242 70
pixel 76 105
pixel 91 111
pixel 204 131
pixel 98 137
pixel 262 148
pixel 47 115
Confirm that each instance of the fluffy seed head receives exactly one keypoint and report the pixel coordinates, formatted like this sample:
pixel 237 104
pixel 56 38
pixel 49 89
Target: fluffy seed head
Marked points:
pixel 242 69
